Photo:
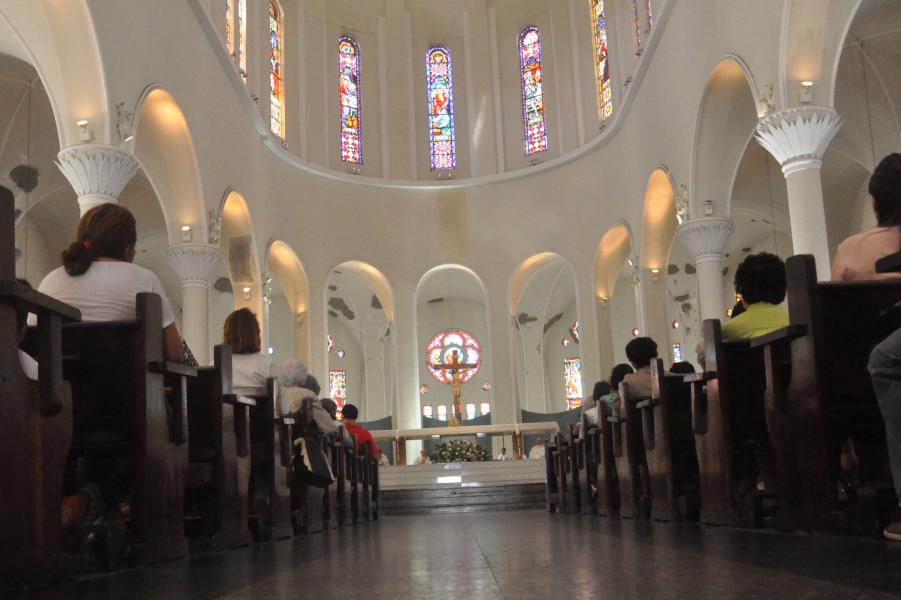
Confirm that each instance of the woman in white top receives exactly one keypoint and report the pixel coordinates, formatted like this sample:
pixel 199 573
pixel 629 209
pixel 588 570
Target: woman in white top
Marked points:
pixel 99 279
pixel 250 369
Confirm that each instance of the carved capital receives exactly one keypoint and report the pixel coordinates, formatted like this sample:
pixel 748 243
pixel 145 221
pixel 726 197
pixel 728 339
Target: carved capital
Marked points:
pixel 193 263
pixel 798 137
pixel 96 172
pixel 706 238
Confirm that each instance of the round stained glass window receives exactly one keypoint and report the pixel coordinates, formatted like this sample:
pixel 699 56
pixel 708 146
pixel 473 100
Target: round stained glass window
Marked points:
pixel 453 346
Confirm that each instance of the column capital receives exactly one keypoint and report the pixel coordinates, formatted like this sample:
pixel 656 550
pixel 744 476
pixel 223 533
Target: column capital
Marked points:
pixel 706 238
pixel 96 172
pixel 193 263
pixel 798 137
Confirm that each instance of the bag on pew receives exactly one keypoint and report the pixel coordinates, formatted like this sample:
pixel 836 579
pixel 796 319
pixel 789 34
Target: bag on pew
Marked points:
pixel 310 463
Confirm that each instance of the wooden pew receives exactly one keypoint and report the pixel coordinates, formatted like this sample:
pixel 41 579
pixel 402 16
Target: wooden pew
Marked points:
pixel 670 447
pixel 122 416
pixel 588 461
pixel 352 463
pixel 823 395
pixel 573 473
pixel 628 451
pixel 559 455
pixel 608 483
pixel 271 514
pixel 365 465
pixel 375 491
pixel 37 419
pixel 551 480
pixel 731 436
pixel 218 478
pixel 311 500
pixel 340 470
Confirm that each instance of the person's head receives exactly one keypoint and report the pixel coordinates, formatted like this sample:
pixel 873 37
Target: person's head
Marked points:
pixel 242 332
pixel 701 354
pixel 351 413
pixel 292 373
pixel 619 373
pixel 503 450
pixel 423 452
pixel 312 384
pixel 601 388
pixel 885 189
pixel 330 406
pixel 761 278
pixel 22 314
pixel 641 351
pixel 737 310
pixel 539 442
pixel 682 368
pixel 105 231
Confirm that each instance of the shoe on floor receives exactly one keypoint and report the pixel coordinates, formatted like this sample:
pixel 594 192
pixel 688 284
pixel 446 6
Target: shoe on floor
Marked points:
pixel 893 532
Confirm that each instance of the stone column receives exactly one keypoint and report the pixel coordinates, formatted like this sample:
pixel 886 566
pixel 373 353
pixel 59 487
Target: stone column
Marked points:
pixel 193 264
pixel 798 138
pixel 96 172
pixel 706 239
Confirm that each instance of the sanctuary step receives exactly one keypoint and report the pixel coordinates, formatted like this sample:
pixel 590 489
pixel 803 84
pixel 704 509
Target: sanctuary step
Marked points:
pixel 462 488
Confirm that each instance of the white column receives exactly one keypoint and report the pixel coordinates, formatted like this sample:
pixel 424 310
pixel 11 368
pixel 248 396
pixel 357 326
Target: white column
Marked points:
pixel 706 239
pixel 96 172
pixel 193 264
pixel 798 138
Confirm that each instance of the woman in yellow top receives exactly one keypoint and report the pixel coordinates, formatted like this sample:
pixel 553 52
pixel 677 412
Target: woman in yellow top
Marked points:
pixel 760 282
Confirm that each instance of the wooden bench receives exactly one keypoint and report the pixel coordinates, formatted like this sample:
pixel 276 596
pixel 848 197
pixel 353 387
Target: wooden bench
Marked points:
pixel 37 418
pixel 608 483
pixel 218 478
pixel 589 457
pixel 551 480
pixel 823 395
pixel 629 455
pixel 670 447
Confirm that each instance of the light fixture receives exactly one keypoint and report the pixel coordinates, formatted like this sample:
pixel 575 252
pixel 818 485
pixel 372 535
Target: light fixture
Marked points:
pixel 246 293
pixel 424 389
pixel 806 92
pixel 83 131
pixel 676 324
pixel 635 332
pixel 298 318
pixel 186 233
pixel 655 275
pixel 271 351
pixel 603 300
pixel 486 386
pixel 341 353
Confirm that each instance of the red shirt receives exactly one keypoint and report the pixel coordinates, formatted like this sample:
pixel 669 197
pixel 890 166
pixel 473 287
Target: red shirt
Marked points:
pixel 363 438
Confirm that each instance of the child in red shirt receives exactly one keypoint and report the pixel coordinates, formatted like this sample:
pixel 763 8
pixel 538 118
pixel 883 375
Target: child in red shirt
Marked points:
pixel 364 438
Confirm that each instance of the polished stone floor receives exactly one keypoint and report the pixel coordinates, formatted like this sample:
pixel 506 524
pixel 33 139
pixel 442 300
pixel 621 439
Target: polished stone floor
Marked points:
pixel 520 555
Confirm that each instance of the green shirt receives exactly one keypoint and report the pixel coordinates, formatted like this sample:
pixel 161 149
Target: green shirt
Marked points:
pixel 759 319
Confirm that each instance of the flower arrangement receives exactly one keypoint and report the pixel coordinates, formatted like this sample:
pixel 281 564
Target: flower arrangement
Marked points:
pixel 459 451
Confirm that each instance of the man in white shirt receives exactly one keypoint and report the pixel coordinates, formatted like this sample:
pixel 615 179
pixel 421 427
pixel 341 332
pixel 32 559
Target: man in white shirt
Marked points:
pixel 29 365
pixel 503 455
pixel 537 451
pixel 384 461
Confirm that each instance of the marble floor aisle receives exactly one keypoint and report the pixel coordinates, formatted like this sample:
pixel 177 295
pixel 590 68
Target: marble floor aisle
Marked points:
pixel 520 555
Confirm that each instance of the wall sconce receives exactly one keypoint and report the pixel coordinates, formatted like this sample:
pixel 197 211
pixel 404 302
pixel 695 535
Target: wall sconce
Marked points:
pixel 635 332
pixel 676 324
pixel 298 318
pixel 341 353
pixel 246 291
pixel 806 92
pixel 708 208
pixel 186 233
pixel 83 131
pixel 603 300
pixel 655 275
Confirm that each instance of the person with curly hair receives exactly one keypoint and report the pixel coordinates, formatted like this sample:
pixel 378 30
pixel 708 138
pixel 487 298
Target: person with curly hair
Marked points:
pixel 760 283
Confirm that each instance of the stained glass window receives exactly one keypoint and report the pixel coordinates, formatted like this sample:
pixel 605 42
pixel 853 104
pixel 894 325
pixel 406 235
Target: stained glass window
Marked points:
pixel 650 14
pixel 450 347
pixel 575 332
pixel 427 411
pixel 229 42
pixel 440 84
pixel 337 387
pixel 349 100
pixel 572 381
pixel 484 408
pixel 276 81
pixel 470 411
pixel 241 27
pixel 442 412
pixel 636 24
pixel 601 63
pixel 534 124
pixel 677 352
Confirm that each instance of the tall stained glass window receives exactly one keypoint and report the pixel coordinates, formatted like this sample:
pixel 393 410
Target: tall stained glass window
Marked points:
pixel 534 124
pixel 229 42
pixel 601 62
pixel 649 10
pixel 572 382
pixel 440 83
pixel 276 82
pixel 349 100
pixel 636 24
pixel 337 387
pixel 241 28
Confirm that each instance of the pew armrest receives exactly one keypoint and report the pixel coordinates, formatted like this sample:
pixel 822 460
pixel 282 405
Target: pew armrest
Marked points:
pixel 889 264
pixel 238 399
pixel 703 377
pixel 786 333
pixel 171 368
pixel 38 303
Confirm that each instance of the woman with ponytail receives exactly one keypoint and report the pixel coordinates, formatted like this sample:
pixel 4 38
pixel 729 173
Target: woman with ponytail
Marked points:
pixel 99 278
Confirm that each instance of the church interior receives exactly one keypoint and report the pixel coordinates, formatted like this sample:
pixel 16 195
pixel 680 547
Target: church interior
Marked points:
pixel 450 299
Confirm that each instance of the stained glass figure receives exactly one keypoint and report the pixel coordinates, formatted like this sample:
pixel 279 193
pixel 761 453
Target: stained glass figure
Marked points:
pixel 440 88
pixel 241 27
pixel 337 387
pixel 601 62
pixel 229 42
pixel 349 100
pixel 534 124
pixel 575 332
pixel 649 10
pixel 572 382
pixel 441 352
pixel 276 81
pixel 636 25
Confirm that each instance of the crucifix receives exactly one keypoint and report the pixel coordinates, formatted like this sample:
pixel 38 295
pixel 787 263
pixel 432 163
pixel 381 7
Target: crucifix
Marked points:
pixel 455 366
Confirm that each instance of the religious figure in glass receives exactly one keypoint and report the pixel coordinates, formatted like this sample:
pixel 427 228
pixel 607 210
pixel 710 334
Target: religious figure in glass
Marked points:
pixel 440 88
pixel 535 126
pixel 349 100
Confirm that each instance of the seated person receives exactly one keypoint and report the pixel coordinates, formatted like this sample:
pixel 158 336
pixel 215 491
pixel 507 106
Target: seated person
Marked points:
pixel 98 276
pixel 292 374
pixel 537 451
pixel 617 375
pixel 601 388
pixel 503 455
pixel 384 461
pixel 855 259
pixel 250 369
pixel 682 368
pixel 423 458
pixel 364 438
pixel 640 352
pixel 760 282
pixel 29 365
